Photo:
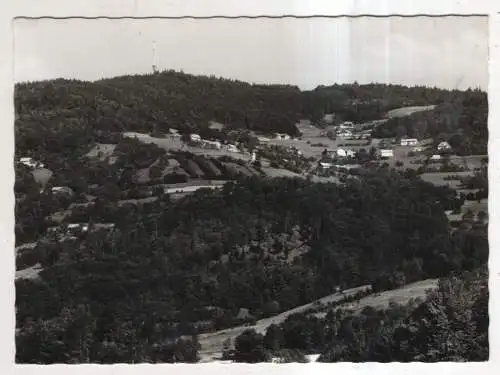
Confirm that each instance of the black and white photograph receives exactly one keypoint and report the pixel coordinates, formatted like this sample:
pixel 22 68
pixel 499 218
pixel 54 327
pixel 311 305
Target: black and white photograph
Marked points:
pixel 251 190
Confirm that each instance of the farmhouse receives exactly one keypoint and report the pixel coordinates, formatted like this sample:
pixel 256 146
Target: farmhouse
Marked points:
pixel 195 137
pixel 409 142
pixel 253 157
pixel 282 136
pixel 77 227
pixel 325 165
pixel 347 126
pixel 443 146
pixel 29 162
pixel 386 153
pixel 344 133
pixel 214 145
pixel 345 153
pixel 62 190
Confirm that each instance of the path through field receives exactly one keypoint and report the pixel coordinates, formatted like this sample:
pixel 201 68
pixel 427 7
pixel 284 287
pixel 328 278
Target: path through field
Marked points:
pixel 406 111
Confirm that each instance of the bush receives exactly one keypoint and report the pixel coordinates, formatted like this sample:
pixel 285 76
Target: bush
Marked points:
pixel 175 178
pixel 249 347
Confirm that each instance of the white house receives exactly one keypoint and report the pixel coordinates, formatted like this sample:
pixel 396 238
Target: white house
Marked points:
pixel 344 133
pixel 62 190
pixel 29 162
pixel 76 226
pixel 436 157
pixel 212 144
pixel 409 142
pixel 443 146
pixel 282 136
pixel 325 165
pixel 195 137
pixel 347 125
pixel 106 226
pixel 345 153
pixel 386 153
pixel 341 153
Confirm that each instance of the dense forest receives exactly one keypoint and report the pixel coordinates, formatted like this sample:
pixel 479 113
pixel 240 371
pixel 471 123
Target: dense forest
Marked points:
pixel 174 268
pixel 263 245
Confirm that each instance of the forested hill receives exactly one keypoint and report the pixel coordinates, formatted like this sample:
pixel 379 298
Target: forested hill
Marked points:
pixel 155 102
pixel 261 245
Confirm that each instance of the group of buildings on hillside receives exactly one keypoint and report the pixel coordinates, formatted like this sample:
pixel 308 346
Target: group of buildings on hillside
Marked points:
pixel 212 145
pixel 348 131
pixel 31 163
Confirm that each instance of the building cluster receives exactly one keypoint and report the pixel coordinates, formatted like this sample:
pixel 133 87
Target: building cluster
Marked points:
pixel 348 131
pixel 282 136
pixel 31 163
pixel 212 145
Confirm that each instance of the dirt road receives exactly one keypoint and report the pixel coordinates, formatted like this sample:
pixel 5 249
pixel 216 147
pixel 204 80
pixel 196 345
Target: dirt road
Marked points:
pixel 212 343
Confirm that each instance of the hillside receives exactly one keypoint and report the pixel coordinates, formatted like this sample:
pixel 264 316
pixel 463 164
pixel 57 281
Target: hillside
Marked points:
pixel 448 323
pixel 463 123
pixel 212 344
pixel 154 209
pixel 61 116
pixel 264 246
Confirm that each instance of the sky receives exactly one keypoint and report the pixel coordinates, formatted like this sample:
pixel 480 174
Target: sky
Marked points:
pixel 447 52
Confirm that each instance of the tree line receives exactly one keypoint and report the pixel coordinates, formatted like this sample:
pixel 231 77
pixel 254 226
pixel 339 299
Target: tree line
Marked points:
pixel 265 245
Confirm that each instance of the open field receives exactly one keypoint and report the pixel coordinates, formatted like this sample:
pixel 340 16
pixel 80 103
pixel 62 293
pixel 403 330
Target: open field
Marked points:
pixel 212 343
pixel 170 144
pixel 275 172
pixel 382 300
pixel 24 247
pixel 406 111
pixel 29 273
pixel 42 175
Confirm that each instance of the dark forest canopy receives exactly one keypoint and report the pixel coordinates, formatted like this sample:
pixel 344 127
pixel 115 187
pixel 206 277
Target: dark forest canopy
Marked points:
pixel 155 102
pixel 263 245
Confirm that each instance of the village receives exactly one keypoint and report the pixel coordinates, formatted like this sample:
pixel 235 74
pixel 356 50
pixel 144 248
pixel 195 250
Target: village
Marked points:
pixel 323 154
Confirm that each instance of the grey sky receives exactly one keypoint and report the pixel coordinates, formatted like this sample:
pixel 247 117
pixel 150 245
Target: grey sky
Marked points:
pixel 447 52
